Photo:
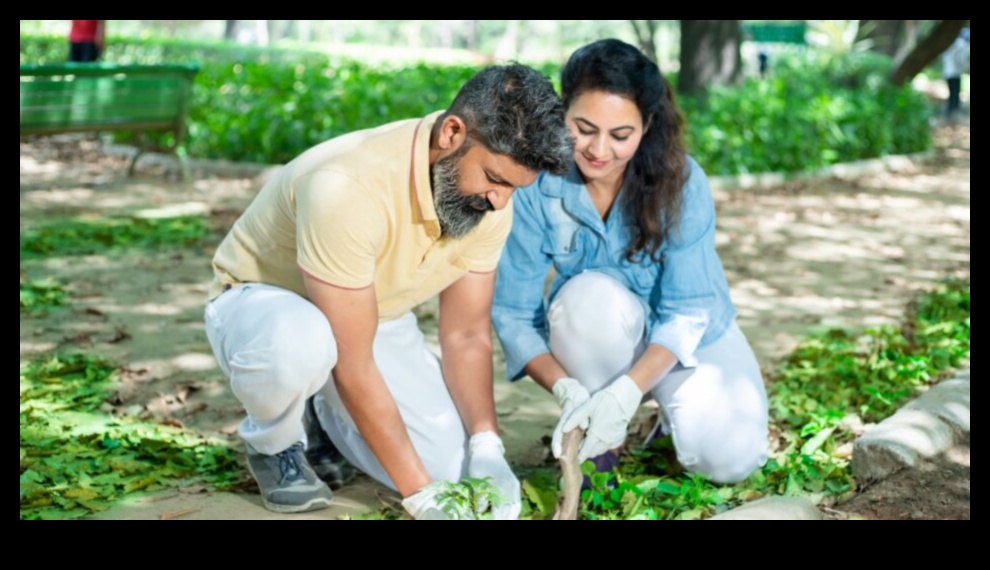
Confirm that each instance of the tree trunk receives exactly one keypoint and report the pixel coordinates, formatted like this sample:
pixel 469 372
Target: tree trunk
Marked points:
pixel 473 34
pixel 886 35
pixel 446 34
pixel 941 37
pixel 286 30
pixel 710 54
pixel 895 38
pixel 908 40
pixel 646 33
pixel 304 30
pixel 230 29
pixel 414 34
pixel 508 45
pixel 261 32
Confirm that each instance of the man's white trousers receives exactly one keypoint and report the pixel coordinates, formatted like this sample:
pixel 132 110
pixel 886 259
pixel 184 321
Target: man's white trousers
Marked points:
pixel 277 349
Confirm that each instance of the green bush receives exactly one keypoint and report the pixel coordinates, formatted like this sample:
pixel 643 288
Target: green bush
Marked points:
pixel 267 105
pixel 263 112
pixel 813 112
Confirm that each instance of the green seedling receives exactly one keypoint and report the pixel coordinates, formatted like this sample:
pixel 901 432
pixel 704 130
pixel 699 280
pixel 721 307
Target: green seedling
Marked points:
pixel 470 495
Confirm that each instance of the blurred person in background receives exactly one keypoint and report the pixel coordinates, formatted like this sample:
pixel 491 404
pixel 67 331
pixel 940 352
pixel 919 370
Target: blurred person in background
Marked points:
pixel 955 63
pixel 87 38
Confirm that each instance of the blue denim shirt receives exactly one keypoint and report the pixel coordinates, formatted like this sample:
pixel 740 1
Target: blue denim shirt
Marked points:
pixel 685 294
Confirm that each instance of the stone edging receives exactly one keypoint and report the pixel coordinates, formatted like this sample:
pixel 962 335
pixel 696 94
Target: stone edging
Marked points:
pixel 845 170
pixel 931 424
pixel 926 426
pixel 214 167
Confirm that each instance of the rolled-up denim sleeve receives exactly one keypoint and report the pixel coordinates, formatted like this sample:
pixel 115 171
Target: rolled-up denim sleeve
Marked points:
pixel 688 292
pixel 518 313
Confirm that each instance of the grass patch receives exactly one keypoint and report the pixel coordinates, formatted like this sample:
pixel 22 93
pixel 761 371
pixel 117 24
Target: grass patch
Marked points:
pixel 40 296
pixel 76 459
pixel 86 237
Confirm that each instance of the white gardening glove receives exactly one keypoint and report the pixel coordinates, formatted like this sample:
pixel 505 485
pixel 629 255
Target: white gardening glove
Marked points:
pixel 607 414
pixel 571 394
pixel 486 458
pixel 423 506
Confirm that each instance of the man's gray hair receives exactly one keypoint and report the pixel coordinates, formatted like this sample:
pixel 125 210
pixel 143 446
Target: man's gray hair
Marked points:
pixel 513 110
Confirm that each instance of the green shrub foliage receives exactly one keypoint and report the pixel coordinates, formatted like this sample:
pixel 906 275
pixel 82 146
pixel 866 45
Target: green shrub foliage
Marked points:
pixel 267 105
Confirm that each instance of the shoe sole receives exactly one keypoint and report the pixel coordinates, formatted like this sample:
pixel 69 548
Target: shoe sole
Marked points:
pixel 312 505
pixel 315 504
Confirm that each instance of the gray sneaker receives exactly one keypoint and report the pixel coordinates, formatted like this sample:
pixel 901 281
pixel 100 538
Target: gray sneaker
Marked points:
pixel 288 483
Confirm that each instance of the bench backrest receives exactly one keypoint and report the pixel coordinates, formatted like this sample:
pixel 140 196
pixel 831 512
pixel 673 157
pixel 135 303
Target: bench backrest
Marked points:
pixel 74 97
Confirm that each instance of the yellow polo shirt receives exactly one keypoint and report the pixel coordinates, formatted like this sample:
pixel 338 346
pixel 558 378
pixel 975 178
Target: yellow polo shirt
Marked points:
pixel 354 211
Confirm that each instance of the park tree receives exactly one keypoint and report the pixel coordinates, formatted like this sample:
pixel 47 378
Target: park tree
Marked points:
pixel 891 37
pixel 170 28
pixel 710 54
pixel 646 32
pixel 927 50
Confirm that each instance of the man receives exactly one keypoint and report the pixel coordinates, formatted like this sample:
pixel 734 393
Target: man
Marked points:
pixel 315 283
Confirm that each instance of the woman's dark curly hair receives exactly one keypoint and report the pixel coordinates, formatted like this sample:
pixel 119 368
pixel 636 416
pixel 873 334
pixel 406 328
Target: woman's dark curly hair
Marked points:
pixel 657 172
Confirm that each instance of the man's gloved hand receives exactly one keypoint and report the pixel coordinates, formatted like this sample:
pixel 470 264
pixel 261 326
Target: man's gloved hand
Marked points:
pixel 423 506
pixel 486 458
pixel 571 394
pixel 607 414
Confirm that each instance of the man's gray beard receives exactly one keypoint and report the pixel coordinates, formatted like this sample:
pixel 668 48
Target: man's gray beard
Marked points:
pixel 454 210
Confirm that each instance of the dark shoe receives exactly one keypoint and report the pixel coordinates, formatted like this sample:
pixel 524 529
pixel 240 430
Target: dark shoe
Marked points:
pixel 288 484
pixel 657 432
pixel 604 463
pixel 327 461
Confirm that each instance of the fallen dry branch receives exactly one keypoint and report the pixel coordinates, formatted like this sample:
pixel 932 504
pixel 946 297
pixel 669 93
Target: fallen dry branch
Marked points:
pixel 169 515
pixel 570 469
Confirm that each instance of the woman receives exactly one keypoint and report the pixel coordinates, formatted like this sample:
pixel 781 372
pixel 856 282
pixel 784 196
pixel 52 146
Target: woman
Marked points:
pixel 640 304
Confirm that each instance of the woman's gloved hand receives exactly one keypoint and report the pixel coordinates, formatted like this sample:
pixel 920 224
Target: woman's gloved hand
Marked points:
pixel 607 415
pixel 571 394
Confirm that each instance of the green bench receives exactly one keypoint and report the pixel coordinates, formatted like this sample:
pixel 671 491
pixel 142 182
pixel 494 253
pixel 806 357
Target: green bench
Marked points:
pixel 777 33
pixel 94 97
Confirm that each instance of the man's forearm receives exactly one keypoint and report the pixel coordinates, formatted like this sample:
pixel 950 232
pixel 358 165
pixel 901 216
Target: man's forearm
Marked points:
pixel 467 367
pixel 371 405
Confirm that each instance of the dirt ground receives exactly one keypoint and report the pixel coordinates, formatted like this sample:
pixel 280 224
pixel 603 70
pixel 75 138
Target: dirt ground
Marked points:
pixel 800 257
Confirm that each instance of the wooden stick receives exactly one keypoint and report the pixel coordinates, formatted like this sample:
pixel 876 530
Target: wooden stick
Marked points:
pixel 169 515
pixel 570 469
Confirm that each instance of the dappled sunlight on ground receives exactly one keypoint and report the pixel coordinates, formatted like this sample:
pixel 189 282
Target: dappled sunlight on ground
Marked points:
pixel 800 257
pixel 819 254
